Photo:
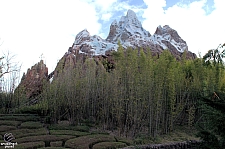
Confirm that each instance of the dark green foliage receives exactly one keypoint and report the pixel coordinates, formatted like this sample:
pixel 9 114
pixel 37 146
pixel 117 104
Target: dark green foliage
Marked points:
pixel 10 123
pixel 19 117
pixel 69 127
pixel 68 132
pixel 31 125
pixel 29 145
pixel 141 93
pixel 138 94
pixel 210 141
pixel 212 130
pixel 214 56
pixel 109 145
pixel 46 138
pixel 5 128
pixel 88 141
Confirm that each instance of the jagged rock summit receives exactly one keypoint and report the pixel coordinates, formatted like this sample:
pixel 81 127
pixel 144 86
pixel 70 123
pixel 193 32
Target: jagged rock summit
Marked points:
pixel 32 82
pixel 130 33
pixel 170 38
pixel 129 27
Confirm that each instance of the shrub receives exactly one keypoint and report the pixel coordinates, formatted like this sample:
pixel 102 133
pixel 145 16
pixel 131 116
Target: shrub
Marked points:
pixel 18 133
pixel 88 141
pixel 5 128
pixel 10 122
pixel 31 125
pixel 30 145
pixel 68 132
pixel 109 145
pixel 19 117
pixel 46 138
pixel 56 144
pixel 69 127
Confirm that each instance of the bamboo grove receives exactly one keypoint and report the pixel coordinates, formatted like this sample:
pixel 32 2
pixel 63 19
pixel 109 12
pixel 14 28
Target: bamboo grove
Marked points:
pixel 142 94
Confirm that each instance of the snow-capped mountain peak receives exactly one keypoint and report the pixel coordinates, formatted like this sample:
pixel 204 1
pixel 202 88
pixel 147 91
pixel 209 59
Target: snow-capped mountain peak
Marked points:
pixel 130 33
pixel 132 19
pixel 82 36
pixel 127 27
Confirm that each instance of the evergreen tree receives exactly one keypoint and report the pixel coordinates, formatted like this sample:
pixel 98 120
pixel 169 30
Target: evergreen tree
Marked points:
pixel 212 130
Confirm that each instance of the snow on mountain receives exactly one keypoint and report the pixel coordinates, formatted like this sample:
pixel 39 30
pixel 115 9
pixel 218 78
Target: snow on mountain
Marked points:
pixel 128 27
pixel 130 33
pixel 170 35
pixel 93 45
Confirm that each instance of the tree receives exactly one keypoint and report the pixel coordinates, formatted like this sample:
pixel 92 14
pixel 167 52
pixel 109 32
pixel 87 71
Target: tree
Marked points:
pixel 215 56
pixel 9 69
pixel 212 130
pixel 7 65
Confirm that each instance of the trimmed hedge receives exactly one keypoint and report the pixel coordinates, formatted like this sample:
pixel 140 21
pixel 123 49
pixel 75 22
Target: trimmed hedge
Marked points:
pixel 109 145
pixel 31 125
pixel 69 127
pixel 18 133
pixel 85 142
pixel 10 122
pixel 56 144
pixel 22 118
pixel 46 138
pixel 68 132
pixel 5 128
pixel 52 148
pixel 30 145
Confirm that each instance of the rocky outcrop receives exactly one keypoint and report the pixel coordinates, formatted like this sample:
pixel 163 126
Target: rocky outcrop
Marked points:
pixel 172 41
pixel 32 82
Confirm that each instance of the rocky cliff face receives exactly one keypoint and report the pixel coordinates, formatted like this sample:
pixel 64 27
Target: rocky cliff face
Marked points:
pixel 32 82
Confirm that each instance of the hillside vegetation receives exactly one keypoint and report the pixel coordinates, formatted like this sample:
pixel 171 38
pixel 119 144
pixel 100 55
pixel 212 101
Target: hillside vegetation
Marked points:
pixel 142 96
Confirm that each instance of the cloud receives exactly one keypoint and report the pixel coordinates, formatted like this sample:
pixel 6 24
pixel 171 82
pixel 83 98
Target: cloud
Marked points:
pixel 106 16
pixel 201 30
pixel 110 10
pixel 30 28
pixel 104 5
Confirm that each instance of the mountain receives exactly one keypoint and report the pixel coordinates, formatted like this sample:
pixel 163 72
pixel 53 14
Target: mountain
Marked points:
pixel 130 33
